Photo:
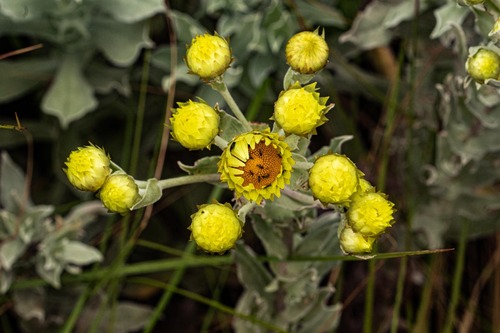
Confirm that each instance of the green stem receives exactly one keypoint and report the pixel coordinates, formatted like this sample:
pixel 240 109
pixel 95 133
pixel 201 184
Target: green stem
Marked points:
pixel 221 87
pixel 303 165
pixel 185 180
pixel 220 142
pixel 168 292
pixel 370 297
pixel 457 280
pixel 399 294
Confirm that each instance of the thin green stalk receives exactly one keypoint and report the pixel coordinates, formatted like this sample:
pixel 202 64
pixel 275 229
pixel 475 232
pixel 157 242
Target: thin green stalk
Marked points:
pixel 253 109
pixel 399 294
pixel 220 142
pixel 77 310
pixel 457 280
pixel 222 89
pixel 369 298
pixel 168 293
pixel 185 180
pixel 209 316
pixel 141 110
pixel 209 302
pixel 422 321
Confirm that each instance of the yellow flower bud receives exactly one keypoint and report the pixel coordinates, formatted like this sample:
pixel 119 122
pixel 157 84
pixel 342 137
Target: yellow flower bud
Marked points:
pixel 333 179
pixel 119 193
pixel 195 124
pixel 87 168
pixel 307 52
pixel 483 64
pixel 208 56
pixel 215 227
pixel 299 110
pixel 370 214
pixel 352 242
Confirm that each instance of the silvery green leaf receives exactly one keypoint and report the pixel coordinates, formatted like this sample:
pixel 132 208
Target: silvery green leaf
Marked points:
pixel 120 42
pixel 131 11
pixel 49 270
pixel 70 96
pixel 250 303
pixel 334 147
pixel 186 27
pixel 33 227
pixel 6 278
pixel 321 14
pixel 322 317
pixel 105 79
pixel 259 68
pixel 20 76
pixel 10 251
pixel 125 317
pixel 204 165
pixel 12 182
pixel 8 224
pixel 149 195
pixel 270 236
pixel 75 252
pixel 84 213
pixel 21 10
pixel 447 16
pixel 300 294
pixel 368 30
pixel 229 127
pixel 252 274
pixel 29 304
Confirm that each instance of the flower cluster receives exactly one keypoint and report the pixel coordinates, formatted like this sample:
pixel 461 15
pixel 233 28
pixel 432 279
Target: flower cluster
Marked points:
pixel 335 179
pixel 256 161
pixel 88 169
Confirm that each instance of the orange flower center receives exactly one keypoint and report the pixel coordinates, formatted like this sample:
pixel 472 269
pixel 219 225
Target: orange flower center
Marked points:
pixel 262 167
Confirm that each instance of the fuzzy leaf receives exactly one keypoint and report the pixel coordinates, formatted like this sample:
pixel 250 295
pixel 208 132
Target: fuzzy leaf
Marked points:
pixel 270 236
pixel 75 252
pixel 11 185
pixel 251 272
pixel 151 194
pixel 447 16
pixel 120 42
pixel 10 251
pixel 229 127
pixel 20 76
pixel 70 97
pixel 322 317
pixel 6 278
pixel 130 11
pixel 204 165
pixel 20 10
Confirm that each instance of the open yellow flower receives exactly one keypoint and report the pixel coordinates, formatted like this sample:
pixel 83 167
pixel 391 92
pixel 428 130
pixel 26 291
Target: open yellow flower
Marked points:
pixel 208 56
pixel 370 213
pixel 195 124
pixel 256 165
pixel 215 227
pixel 299 110
pixel 307 52
pixel 87 168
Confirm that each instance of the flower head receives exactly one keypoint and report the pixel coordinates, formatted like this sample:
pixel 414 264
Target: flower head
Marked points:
pixel 299 110
pixel 119 193
pixel 352 242
pixel 215 227
pixel 483 64
pixel 256 165
pixel 208 56
pixel 307 52
pixel 195 124
pixel 87 168
pixel 334 178
pixel 370 214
